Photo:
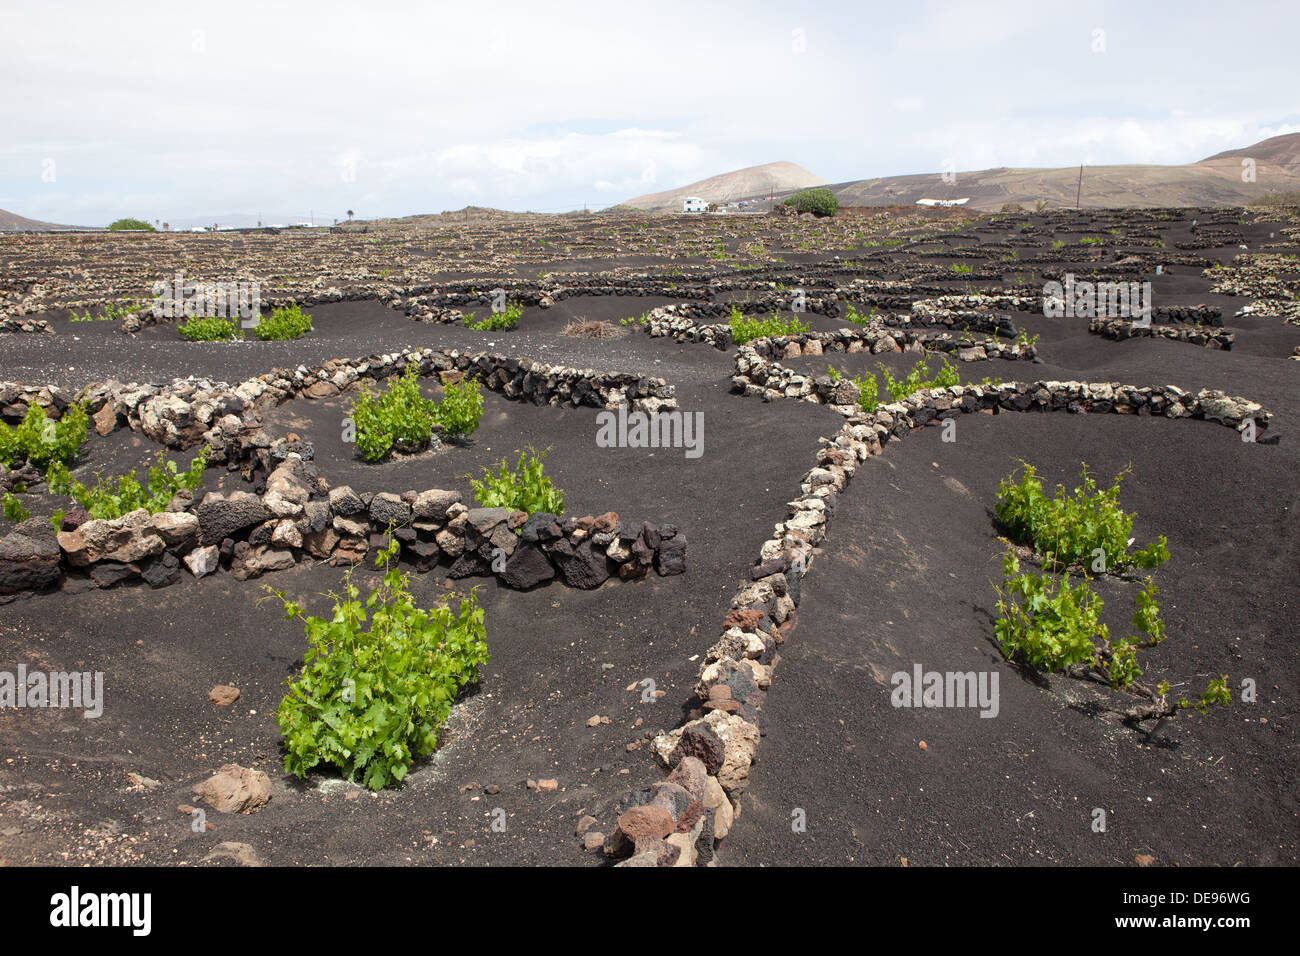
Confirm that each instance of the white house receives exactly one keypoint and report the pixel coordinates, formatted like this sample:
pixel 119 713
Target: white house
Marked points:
pixel 694 204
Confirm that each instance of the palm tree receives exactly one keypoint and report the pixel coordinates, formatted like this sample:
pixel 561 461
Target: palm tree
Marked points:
pixel 349 213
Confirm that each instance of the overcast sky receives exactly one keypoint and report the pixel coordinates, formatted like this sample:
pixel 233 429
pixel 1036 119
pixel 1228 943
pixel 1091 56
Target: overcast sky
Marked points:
pixel 177 111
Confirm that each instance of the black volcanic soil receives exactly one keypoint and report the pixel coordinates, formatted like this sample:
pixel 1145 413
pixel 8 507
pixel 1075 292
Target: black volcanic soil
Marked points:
pixel 908 579
pixel 904 577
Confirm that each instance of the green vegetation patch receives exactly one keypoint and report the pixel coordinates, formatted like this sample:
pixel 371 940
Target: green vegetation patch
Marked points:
pixel 819 202
pixel 747 330
pixel 286 322
pixel 378 679
pixel 497 321
pixel 211 330
pixel 1084 528
pixel 402 417
pixel 109 498
pixel 124 225
pixel 526 488
pixel 38 439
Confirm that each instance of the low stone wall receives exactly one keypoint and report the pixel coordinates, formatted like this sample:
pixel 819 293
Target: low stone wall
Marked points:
pixel 300 517
pixel 876 336
pixel 708 312
pixel 25 325
pixel 16 397
pixel 225 417
pixel 757 376
pixel 447 305
pixel 1119 329
pixel 1189 314
pixel 678 821
pixel 978 302
pixel 291 511
pixel 966 320
pixel 1287 311
pixel 757 373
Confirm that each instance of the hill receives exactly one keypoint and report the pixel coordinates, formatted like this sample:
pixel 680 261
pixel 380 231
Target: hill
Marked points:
pixel 1213 181
pixel 12 222
pixel 750 183
pixel 1275 151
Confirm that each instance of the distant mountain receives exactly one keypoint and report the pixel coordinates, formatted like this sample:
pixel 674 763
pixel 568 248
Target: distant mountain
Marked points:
pixel 752 183
pixel 1275 151
pixel 1213 181
pixel 12 222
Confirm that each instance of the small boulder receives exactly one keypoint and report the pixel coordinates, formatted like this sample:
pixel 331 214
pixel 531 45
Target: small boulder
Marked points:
pixel 235 789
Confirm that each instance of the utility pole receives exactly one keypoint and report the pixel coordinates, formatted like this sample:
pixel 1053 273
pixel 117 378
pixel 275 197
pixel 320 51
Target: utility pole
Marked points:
pixel 1079 192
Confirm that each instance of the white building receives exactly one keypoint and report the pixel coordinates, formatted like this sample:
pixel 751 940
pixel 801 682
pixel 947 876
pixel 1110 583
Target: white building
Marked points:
pixel 694 204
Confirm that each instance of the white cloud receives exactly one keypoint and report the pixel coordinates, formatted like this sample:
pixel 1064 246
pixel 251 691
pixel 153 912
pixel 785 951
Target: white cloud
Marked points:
pixel 421 106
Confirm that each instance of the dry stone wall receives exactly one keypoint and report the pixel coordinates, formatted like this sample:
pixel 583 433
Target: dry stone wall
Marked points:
pixel 679 821
pixel 293 514
pixel 1126 329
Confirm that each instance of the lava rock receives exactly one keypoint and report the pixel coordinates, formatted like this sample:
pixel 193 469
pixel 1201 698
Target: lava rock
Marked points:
pixel 527 567
pixel 29 557
pixel 222 516
pixel 582 567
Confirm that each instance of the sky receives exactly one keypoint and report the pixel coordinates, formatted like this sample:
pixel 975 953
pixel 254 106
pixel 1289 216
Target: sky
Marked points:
pixel 285 111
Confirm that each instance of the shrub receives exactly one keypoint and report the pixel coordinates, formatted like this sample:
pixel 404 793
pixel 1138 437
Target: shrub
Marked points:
pixel 918 379
pixel 110 499
pixel 286 322
pixel 963 268
pixel 819 202
pixel 1216 692
pixel 868 396
pixel 1085 528
pixel 401 415
pixel 113 311
pixel 461 407
pixel 378 678
pixel 1048 624
pixel 747 330
pixel 497 321
pixel 866 383
pixel 210 330
pixel 13 508
pixel 39 439
pixel 851 314
pixel 1045 622
pixel 526 488
pixel 121 225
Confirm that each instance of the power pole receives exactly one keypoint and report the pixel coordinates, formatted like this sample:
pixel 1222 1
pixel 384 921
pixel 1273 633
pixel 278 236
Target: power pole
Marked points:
pixel 1079 192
